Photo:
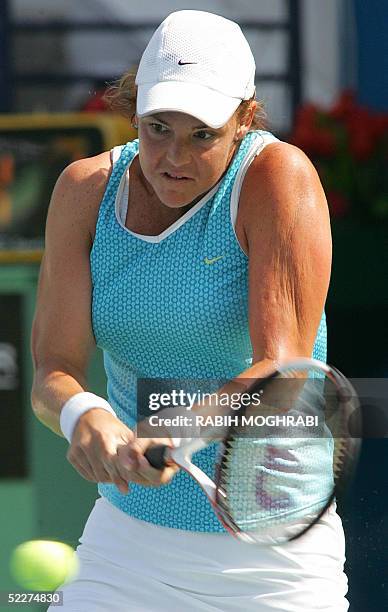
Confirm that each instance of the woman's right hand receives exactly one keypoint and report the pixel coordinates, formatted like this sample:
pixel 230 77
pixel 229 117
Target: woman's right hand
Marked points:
pixel 104 449
pixel 94 445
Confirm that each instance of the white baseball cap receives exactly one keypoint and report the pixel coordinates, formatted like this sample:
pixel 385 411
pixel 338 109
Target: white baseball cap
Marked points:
pixel 196 63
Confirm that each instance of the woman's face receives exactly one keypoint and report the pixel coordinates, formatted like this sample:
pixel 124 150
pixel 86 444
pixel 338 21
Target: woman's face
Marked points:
pixel 181 157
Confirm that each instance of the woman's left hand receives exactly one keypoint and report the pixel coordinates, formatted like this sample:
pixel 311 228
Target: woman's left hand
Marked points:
pixel 133 465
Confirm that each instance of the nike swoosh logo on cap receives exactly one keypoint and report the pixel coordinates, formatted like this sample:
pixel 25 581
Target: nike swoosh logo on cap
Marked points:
pixel 186 63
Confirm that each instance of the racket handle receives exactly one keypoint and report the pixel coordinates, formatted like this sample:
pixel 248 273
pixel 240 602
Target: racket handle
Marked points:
pixel 157 456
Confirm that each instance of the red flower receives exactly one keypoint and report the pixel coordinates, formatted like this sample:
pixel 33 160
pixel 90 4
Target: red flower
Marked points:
pixel 364 131
pixel 324 142
pixel 362 141
pixel 95 104
pixel 307 115
pixel 314 140
pixel 309 135
pixel 338 204
pixel 380 124
pixel 344 106
pixel 349 146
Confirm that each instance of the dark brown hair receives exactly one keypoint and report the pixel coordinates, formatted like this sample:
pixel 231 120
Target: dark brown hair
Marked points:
pixel 121 97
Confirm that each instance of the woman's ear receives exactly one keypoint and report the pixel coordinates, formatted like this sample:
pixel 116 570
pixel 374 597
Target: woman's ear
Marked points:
pixel 134 121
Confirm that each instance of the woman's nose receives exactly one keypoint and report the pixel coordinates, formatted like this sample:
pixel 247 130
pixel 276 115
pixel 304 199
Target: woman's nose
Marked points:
pixel 178 153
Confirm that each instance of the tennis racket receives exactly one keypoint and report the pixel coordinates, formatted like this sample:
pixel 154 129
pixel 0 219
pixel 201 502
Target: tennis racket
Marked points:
pixel 275 476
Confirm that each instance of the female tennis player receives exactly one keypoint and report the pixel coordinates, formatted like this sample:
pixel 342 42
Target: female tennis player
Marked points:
pixel 201 250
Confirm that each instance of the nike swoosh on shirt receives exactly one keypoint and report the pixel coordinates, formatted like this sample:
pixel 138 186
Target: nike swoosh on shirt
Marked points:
pixel 213 260
pixel 186 63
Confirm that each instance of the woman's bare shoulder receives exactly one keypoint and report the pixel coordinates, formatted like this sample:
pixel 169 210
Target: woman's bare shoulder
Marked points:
pixel 80 189
pixel 280 180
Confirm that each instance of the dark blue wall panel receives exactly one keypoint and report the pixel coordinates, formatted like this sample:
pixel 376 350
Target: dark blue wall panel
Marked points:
pixel 5 86
pixel 372 28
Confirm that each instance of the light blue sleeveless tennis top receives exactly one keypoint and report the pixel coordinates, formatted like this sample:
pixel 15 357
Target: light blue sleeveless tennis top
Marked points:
pixel 159 310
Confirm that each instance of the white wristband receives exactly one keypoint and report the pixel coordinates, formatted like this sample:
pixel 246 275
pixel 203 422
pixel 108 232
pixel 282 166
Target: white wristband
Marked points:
pixel 76 406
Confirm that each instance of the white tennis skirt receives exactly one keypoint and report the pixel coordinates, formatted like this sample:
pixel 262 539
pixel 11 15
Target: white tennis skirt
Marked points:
pixel 130 565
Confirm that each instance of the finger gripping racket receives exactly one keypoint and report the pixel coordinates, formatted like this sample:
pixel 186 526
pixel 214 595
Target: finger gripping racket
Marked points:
pixel 283 460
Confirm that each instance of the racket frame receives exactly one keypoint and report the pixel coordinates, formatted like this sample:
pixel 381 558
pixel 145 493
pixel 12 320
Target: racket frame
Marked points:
pixel 181 456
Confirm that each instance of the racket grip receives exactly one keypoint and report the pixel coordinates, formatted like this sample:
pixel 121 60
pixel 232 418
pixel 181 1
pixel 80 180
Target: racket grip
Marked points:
pixel 157 455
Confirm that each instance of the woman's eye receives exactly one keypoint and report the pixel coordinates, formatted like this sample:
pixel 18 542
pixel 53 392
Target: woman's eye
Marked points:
pixel 158 128
pixel 203 135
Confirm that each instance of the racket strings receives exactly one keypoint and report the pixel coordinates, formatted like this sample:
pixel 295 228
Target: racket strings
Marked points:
pixel 269 484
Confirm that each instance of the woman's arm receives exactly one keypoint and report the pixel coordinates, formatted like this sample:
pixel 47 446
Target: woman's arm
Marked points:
pixel 62 336
pixel 287 229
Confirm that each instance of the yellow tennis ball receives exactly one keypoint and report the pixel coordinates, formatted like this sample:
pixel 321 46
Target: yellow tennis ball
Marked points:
pixel 43 565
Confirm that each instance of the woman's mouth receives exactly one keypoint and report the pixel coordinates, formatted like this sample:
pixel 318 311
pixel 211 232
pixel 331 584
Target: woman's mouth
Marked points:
pixel 175 177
